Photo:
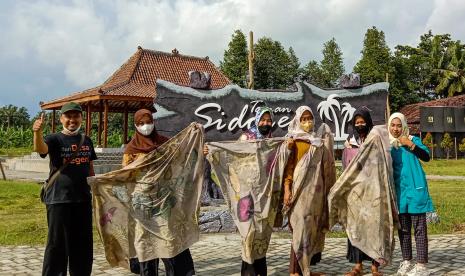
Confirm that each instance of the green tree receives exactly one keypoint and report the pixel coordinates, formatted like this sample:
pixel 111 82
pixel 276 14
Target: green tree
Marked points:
pixel 451 69
pixel 428 141
pixel 332 63
pixel 272 64
pixel 314 74
pixel 376 58
pixel 293 65
pixel 12 116
pixel 235 61
pixel 462 146
pixel 401 92
pixel 447 143
pixel 414 75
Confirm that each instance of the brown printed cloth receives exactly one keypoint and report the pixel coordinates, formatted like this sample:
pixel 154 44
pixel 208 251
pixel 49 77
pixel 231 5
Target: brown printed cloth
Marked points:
pixel 363 199
pixel 250 174
pixel 149 208
pixel 314 175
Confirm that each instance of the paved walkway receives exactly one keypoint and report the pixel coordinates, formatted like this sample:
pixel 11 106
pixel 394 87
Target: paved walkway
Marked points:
pixel 219 254
pixel 40 176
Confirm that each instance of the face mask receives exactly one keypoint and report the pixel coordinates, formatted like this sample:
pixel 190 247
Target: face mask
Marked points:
pixel 264 130
pixel 69 132
pixel 361 129
pixel 146 129
pixel 306 126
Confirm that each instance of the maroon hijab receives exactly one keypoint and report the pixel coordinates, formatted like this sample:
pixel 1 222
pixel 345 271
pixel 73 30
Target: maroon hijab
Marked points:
pixel 144 144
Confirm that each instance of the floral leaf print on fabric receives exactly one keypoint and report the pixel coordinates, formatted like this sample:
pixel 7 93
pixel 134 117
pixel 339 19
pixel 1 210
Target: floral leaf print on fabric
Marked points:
pixel 245 208
pixel 363 201
pixel 250 174
pixel 157 210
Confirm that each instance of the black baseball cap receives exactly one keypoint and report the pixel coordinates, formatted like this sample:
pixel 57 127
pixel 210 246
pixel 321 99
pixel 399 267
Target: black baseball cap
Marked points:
pixel 71 106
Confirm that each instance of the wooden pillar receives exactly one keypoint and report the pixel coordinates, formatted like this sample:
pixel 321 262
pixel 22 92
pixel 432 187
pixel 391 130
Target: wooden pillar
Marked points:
pixel 99 134
pixel 251 58
pixel 105 123
pixel 125 123
pixel 88 120
pixel 53 121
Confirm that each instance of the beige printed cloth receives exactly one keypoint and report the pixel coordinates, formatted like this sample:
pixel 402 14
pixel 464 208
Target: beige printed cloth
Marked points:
pixel 363 199
pixel 149 208
pixel 250 174
pixel 314 175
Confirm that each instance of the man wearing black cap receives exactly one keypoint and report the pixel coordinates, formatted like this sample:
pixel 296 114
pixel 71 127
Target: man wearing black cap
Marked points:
pixel 67 195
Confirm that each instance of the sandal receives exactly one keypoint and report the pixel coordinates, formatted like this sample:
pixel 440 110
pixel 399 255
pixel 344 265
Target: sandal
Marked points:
pixel 317 274
pixel 354 272
pixel 375 273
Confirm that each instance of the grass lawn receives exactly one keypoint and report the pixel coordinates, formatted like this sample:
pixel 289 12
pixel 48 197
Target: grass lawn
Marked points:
pixel 22 215
pixel 15 152
pixel 445 167
pixel 24 220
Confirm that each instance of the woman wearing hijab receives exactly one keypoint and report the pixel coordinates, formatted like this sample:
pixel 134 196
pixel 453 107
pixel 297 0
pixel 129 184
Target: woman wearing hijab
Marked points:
pixel 361 127
pixel 260 129
pixel 413 198
pixel 301 140
pixel 145 140
pixel 261 126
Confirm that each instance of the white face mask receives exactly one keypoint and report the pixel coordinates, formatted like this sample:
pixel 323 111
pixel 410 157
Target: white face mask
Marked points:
pixel 69 132
pixel 146 129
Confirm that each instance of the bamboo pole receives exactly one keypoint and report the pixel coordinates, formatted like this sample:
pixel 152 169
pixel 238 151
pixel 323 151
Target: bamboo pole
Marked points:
pixel 251 83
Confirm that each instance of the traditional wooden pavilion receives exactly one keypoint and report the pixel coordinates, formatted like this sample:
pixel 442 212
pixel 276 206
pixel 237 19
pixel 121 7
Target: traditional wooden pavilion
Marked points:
pixel 133 86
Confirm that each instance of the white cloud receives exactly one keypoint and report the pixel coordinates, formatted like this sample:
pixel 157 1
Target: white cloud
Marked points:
pixel 88 40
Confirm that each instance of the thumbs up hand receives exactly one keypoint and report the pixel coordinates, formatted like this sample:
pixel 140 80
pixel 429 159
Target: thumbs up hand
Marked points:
pixel 39 124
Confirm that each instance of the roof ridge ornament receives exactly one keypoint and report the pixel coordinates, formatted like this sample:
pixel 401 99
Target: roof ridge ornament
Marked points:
pixel 175 52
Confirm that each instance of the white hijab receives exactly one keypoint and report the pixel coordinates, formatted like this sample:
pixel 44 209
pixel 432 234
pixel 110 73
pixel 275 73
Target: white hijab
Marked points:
pixel 296 132
pixel 405 132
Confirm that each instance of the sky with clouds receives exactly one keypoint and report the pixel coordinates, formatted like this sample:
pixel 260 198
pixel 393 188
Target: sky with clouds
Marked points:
pixel 52 48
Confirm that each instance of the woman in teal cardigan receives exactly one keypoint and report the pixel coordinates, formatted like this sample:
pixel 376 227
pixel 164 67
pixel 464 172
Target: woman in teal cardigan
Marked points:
pixel 413 199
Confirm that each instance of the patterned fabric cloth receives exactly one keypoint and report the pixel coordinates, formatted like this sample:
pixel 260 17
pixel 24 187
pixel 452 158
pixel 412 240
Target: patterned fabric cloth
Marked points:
pixel 313 178
pixel 363 198
pixel 250 174
pixel 149 208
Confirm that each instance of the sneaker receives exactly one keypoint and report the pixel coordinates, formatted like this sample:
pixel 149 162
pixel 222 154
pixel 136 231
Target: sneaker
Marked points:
pixel 418 271
pixel 404 268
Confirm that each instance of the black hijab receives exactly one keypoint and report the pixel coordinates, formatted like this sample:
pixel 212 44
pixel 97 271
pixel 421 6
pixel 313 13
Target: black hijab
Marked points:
pixel 365 114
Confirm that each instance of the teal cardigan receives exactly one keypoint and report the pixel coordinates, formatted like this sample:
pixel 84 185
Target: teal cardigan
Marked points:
pixel 410 180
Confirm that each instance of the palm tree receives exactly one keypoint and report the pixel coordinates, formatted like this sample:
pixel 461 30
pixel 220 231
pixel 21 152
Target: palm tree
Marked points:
pixel 452 70
pixel 326 109
pixel 348 112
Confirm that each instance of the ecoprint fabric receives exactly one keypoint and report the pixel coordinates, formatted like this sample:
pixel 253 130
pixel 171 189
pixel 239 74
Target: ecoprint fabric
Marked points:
pixel 363 201
pixel 314 175
pixel 250 174
pixel 149 208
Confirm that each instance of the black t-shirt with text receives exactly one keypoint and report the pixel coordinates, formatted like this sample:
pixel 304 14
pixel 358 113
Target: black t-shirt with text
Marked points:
pixel 71 185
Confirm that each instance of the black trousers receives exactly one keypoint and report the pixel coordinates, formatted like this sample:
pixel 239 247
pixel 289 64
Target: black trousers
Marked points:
pixel 69 240
pixel 180 265
pixel 258 268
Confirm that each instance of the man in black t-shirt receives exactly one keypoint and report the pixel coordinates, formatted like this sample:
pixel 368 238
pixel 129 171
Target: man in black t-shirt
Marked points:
pixel 68 199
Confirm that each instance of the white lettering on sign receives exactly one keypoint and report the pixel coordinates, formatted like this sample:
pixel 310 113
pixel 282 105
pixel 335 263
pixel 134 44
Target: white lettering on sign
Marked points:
pixel 236 122
pixel 328 110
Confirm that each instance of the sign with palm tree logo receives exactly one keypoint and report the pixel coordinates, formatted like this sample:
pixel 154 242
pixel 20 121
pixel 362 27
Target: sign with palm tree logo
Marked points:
pixel 226 112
